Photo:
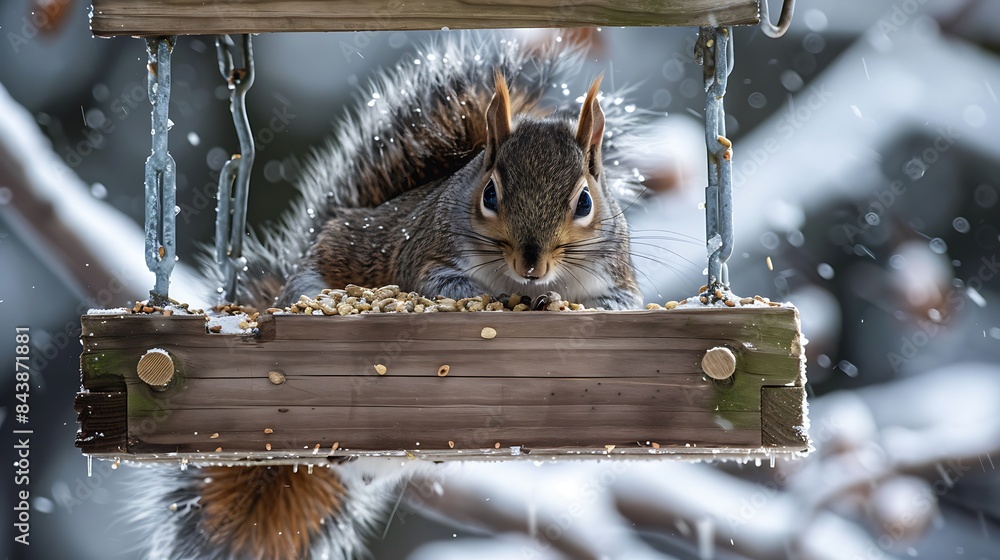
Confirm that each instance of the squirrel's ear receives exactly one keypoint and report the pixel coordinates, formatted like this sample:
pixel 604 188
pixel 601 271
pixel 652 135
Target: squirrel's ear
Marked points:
pixel 590 130
pixel 497 119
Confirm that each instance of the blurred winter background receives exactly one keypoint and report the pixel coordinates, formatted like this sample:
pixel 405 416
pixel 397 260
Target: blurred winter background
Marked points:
pixel 867 168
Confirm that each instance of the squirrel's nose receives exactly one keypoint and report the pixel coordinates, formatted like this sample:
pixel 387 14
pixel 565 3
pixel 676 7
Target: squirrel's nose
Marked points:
pixel 532 272
pixel 531 266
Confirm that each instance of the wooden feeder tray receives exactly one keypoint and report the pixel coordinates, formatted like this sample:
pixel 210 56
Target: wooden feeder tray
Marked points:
pixel 686 383
pixel 549 385
pixel 198 17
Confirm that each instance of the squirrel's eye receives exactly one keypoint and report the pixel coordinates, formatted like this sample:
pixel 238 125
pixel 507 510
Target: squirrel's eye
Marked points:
pixel 585 204
pixel 490 196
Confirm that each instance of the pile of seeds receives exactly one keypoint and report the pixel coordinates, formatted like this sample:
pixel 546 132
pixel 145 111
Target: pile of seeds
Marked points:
pixel 717 297
pixel 235 309
pixel 173 306
pixel 354 300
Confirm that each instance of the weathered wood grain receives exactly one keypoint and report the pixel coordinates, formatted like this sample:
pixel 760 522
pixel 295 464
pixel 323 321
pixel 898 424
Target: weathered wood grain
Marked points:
pixel 782 411
pixel 103 422
pixel 198 17
pixel 371 428
pixel 681 392
pixel 546 381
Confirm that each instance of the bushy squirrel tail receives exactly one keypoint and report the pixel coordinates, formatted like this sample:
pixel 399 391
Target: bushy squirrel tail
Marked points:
pixel 417 123
pixel 258 513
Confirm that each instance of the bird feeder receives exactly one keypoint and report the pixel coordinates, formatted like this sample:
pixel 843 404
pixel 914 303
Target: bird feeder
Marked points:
pixel 691 382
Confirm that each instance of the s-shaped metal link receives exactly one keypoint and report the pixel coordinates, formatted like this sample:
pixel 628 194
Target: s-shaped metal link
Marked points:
pixel 234 180
pixel 161 174
pixel 784 19
pixel 714 51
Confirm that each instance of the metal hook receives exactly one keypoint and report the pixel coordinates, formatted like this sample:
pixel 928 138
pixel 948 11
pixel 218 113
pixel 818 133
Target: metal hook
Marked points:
pixel 234 180
pixel 784 20
pixel 161 173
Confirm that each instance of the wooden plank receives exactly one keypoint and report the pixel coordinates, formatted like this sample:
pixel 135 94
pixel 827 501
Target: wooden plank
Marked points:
pixel 254 418
pixel 782 411
pixel 686 452
pixel 255 363
pixel 378 440
pixel 686 393
pixel 102 418
pixel 198 17
pixel 757 325
pixel 684 323
pixel 463 361
pixel 555 381
pixel 110 326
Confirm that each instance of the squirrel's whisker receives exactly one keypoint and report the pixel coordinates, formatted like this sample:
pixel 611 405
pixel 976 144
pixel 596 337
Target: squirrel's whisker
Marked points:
pixel 622 213
pixel 482 264
pixel 569 269
pixel 691 237
pixel 672 252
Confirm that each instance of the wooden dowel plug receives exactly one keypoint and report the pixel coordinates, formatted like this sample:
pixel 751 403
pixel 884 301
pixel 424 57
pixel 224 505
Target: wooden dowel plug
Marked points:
pixel 156 369
pixel 719 363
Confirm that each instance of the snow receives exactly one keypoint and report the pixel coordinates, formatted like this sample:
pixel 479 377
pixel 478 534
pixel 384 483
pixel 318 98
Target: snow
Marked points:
pixel 113 311
pixel 119 242
pixel 929 75
pixel 230 324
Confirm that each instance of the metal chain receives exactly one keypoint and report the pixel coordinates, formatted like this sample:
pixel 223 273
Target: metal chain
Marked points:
pixel 234 180
pixel 714 51
pixel 161 173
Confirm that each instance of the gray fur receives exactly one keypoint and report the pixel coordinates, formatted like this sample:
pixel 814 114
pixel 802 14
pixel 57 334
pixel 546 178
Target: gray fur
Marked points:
pixel 424 135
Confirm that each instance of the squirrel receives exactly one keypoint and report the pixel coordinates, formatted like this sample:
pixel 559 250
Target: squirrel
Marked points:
pixel 451 180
